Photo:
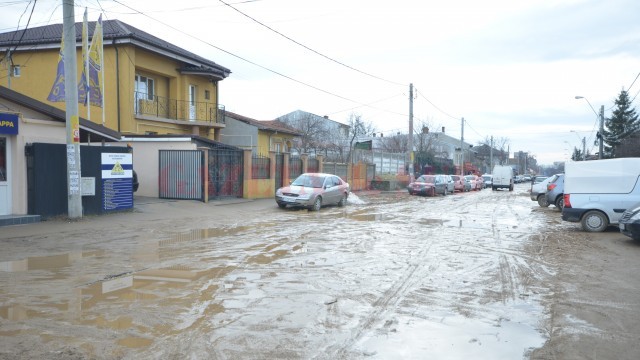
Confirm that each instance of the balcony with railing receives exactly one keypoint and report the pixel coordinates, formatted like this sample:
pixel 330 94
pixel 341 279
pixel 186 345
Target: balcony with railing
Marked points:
pixel 173 109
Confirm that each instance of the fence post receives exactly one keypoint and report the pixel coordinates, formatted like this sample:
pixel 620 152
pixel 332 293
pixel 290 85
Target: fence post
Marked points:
pixel 320 163
pixel 246 173
pixel 272 171
pixel 205 174
pixel 305 162
pixel 285 169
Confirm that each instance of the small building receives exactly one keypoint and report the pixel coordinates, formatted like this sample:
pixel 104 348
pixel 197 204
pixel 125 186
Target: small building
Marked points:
pixel 261 137
pixel 24 121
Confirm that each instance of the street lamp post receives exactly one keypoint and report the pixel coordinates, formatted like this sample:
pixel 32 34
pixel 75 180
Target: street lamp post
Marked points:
pixel 601 127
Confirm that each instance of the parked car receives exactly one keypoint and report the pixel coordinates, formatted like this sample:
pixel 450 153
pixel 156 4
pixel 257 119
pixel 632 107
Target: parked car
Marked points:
pixel 538 179
pixel 477 183
pixel 314 190
pixel 629 222
pixel 538 191
pixel 460 183
pixel 598 192
pixel 488 180
pixel 431 185
pixel 555 191
pixel 449 180
pixel 502 177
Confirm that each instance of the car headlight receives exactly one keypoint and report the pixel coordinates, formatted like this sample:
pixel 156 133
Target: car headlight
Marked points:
pixel 304 196
pixel 279 192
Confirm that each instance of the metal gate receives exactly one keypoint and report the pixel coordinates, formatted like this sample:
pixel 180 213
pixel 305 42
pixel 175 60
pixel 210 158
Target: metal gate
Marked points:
pixel 279 172
pixel 225 173
pixel 181 174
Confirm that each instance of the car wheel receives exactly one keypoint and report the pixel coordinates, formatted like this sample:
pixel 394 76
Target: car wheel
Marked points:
pixel 343 201
pixel 410 192
pixel 559 203
pixel 433 192
pixel 317 204
pixel 511 188
pixel 594 221
pixel 542 201
pixel 282 206
pixel 493 188
pixel 446 192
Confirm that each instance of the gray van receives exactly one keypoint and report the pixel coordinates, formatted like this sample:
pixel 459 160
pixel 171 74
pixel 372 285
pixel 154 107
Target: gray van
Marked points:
pixel 597 192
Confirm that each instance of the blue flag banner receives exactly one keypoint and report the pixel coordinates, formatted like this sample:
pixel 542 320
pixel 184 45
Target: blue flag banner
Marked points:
pixel 57 92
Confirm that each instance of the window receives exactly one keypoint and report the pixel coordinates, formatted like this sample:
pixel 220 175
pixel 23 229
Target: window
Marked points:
pixel 207 95
pixel 145 87
pixel 16 70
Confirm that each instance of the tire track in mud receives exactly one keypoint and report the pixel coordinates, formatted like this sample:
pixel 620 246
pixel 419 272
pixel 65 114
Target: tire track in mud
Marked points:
pixel 389 301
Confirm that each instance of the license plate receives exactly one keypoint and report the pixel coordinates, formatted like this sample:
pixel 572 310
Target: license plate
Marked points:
pixel 288 199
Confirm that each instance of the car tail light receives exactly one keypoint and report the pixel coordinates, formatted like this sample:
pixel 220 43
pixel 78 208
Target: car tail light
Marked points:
pixel 567 201
pixel 551 187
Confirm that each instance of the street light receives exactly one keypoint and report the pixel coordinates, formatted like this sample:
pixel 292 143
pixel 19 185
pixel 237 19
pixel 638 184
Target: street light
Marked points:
pixel 601 130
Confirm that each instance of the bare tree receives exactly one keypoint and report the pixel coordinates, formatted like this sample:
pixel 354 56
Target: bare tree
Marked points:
pixel 398 143
pixel 314 132
pixel 357 128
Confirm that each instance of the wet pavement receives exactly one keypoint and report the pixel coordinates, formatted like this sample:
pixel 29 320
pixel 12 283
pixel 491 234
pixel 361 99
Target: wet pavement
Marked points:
pixel 390 276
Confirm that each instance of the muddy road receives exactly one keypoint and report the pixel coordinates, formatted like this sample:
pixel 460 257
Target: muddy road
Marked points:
pixel 485 274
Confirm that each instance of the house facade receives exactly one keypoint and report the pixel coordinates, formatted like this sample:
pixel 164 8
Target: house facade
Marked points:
pixel 319 135
pixel 150 86
pixel 262 137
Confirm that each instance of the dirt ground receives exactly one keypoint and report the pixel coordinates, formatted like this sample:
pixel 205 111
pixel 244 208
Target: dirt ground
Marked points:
pixel 390 276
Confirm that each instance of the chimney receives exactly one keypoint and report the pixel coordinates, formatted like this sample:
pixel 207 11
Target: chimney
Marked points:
pixel 443 129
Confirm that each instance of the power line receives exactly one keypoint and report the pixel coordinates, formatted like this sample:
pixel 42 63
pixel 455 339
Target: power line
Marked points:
pixel 240 57
pixel 634 81
pixel 310 49
pixel 24 31
pixel 434 105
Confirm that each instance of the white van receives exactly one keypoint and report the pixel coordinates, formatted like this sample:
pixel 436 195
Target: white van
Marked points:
pixel 502 177
pixel 597 192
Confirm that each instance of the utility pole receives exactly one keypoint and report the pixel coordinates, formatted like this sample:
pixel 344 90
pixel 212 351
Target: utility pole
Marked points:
pixel 410 142
pixel 461 147
pixel 601 132
pixel 74 196
pixel 584 149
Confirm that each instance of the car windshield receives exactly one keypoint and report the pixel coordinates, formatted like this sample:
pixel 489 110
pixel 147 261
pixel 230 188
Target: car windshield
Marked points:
pixel 309 181
pixel 469 177
pixel 427 179
pixel 486 177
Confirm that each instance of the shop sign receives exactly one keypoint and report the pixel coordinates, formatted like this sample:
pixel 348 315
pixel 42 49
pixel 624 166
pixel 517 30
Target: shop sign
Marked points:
pixel 9 123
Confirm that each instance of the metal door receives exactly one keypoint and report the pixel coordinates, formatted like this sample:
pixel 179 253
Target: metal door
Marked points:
pixel 225 173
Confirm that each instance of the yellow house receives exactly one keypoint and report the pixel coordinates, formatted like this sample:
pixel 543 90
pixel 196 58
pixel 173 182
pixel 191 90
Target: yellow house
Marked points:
pixel 150 85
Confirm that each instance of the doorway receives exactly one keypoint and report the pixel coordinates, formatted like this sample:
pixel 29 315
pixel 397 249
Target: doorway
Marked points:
pixel 5 179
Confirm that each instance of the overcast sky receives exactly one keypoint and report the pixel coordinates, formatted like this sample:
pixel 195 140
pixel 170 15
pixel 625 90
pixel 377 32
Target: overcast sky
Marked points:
pixel 510 68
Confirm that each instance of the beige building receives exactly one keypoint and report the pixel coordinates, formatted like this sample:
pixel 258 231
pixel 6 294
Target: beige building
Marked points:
pixel 29 121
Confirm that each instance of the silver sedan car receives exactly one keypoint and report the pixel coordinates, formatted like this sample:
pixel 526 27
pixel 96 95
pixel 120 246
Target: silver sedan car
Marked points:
pixel 314 190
